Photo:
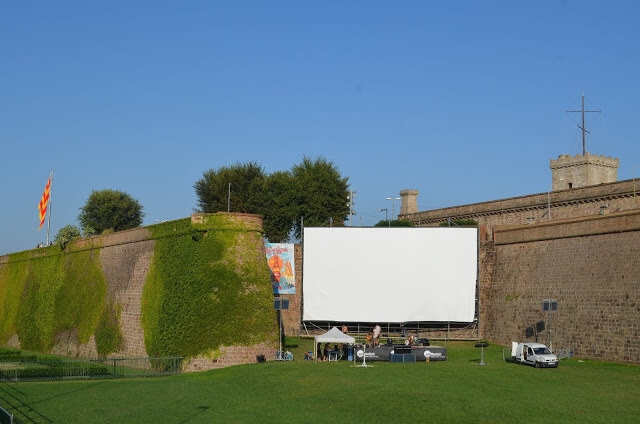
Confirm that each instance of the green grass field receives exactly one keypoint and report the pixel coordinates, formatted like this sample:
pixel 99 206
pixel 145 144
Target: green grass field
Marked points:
pixel 306 392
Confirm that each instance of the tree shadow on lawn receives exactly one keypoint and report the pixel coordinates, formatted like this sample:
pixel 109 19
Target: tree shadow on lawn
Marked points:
pixel 16 402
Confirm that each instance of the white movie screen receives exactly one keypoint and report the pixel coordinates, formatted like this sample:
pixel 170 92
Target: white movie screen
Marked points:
pixel 389 274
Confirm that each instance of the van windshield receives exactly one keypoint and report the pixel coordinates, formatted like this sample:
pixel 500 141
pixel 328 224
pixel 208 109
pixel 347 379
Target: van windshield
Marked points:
pixel 541 350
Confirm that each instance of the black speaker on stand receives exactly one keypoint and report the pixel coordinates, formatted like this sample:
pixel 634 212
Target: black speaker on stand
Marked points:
pixel 482 345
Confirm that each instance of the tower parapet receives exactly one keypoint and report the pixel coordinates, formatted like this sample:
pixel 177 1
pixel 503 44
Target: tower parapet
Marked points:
pixel 583 170
pixel 409 201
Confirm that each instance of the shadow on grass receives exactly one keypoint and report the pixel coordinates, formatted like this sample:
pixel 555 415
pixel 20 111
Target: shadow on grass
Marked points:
pixel 17 402
pixel 14 402
pixel 199 411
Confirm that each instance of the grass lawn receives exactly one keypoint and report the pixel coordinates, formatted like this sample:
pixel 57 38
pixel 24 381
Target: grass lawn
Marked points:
pixel 306 392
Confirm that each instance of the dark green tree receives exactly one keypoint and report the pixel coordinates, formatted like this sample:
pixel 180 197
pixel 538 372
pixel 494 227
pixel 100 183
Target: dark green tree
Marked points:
pixel 459 223
pixel 313 189
pixel 394 223
pixel 110 209
pixel 320 193
pixel 67 234
pixel 212 189
pixel 275 202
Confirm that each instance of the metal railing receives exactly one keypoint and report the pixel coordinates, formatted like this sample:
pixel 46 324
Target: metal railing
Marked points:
pixel 90 369
pixel 5 417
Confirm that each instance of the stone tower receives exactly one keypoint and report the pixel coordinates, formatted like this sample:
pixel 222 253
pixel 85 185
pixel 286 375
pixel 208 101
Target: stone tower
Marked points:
pixel 409 202
pixel 582 170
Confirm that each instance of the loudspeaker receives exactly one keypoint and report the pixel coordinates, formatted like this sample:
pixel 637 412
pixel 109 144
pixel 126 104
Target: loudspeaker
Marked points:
pixel 401 349
pixel 539 326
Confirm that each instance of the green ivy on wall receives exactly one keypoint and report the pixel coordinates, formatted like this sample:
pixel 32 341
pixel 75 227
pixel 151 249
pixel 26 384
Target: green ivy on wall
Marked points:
pixel 208 286
pixel 108 336
pixel 13 276
pixel 84 282
pixel 45 292
pixel 62 292
pixel 36 314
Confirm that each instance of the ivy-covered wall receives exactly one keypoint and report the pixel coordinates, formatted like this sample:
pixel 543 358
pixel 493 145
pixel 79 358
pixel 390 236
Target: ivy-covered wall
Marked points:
pixel 197 288
pixel 46 292
pixel 208 287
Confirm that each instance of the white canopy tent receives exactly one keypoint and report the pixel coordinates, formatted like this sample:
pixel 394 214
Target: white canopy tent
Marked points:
pixel 332 336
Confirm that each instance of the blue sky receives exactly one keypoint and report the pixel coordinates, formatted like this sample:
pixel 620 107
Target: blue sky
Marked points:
pixel 463 100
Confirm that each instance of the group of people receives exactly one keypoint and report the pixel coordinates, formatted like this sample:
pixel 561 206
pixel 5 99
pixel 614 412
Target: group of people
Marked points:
pixel 373 337
pixel 323 353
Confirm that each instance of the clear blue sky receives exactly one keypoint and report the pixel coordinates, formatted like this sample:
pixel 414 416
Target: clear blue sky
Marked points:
pixel 463 101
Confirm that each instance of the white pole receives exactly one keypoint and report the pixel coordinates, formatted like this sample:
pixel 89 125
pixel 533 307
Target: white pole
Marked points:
pixel 49 221
pixel 549 205
pixel 229 199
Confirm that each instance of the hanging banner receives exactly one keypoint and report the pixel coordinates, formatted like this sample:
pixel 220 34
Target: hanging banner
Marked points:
pixel 281 260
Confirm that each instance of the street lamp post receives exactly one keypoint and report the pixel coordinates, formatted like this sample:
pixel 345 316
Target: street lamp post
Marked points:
pixel 393 207
pixel 386 218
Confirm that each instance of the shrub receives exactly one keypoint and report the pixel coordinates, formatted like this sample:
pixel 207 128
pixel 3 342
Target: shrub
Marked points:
pixel 66 235
pixel 459 223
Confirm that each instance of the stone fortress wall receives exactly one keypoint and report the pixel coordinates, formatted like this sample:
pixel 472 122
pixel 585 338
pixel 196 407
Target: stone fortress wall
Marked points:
pixel 578 244
pixel 590 265
pixel 534 208
pixel 125 258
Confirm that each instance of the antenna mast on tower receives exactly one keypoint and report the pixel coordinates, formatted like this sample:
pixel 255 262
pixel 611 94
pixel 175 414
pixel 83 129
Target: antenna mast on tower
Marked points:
pixel 583 128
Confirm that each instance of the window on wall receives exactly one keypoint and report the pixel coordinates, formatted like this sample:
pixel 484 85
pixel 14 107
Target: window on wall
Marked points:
pixel 570 185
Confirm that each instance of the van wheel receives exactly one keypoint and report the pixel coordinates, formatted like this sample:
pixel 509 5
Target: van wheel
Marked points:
pixel 537 365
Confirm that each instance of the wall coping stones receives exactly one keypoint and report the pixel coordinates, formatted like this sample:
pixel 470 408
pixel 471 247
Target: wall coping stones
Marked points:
pixel 616 222
pixel 595 193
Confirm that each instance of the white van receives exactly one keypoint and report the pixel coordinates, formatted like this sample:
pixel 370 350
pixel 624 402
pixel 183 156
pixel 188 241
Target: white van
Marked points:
pixel 535 354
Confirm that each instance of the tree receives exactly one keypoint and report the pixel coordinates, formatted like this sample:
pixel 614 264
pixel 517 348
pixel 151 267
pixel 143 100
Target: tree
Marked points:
pixel 312 189
pixel 459 223
pixel 212 189
pixel 320 193
pixel 110 209
pixel 66 235
pixel 394 223
pixel 275 202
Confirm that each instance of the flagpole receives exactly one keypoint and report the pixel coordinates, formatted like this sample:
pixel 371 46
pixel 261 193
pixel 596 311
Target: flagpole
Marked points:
pixel 49 221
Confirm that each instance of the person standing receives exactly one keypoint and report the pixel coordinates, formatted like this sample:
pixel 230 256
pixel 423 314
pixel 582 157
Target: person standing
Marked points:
pixel 376 335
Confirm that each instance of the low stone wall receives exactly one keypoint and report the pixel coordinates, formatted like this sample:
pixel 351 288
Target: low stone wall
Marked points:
pixel 232 355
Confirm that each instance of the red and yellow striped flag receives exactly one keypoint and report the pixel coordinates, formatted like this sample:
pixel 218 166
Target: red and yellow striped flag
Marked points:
pixel 44 202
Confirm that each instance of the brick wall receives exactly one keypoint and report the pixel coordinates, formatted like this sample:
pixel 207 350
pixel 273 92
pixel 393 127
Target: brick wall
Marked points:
pixel 291 318
pixel 232 355
pixel 589 265
pixel 125 268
